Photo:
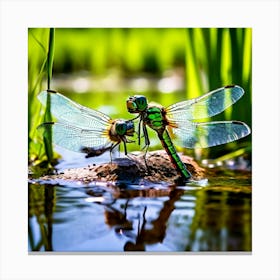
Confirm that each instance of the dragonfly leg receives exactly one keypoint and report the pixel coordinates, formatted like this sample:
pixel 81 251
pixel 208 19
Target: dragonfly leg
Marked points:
pixel 145 132
pixel 146 147
pixel 125 140
pixel 139 132
pixel 111 150
pixel 125 149
pixel 111 160
pixel 139 127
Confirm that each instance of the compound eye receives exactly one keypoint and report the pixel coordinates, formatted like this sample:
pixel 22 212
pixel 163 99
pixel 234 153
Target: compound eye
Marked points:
pixel 141 102
pixel 121 128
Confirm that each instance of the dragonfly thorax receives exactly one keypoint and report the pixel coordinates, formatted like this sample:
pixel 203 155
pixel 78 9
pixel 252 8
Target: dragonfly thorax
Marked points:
pixel 155 118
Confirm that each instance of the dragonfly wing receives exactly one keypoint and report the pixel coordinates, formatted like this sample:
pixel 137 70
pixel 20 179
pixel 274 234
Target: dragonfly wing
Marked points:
pixel 209 134
pixel 207 105
pixel 77 139
pixel 69 111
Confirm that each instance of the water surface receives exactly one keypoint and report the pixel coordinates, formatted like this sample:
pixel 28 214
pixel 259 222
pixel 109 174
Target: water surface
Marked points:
pixel 213 215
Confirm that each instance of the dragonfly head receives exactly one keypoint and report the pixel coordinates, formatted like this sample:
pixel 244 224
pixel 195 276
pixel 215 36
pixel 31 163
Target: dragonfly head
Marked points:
pixel 136 104
pixel 124 127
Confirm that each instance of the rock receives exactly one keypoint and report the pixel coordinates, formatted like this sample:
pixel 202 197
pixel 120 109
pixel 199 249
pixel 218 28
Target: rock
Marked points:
pixel 131 170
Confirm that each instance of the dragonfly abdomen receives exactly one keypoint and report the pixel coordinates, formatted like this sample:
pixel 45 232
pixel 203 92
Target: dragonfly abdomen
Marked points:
pixel 172 153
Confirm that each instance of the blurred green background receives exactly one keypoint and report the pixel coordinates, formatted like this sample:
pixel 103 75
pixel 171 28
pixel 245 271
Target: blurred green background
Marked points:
pixel 101 67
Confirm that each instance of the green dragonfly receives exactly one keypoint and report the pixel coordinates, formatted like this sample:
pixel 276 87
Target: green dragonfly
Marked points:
pixel 177 120
pixel 84 130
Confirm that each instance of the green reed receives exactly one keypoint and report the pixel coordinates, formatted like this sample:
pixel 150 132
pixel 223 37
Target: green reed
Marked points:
pixel 48 117
pixel 40 67
pixel 216 57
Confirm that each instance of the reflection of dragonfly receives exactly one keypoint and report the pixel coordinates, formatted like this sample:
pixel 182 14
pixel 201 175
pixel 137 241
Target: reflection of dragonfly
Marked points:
pixel 178 119
pixel 85 130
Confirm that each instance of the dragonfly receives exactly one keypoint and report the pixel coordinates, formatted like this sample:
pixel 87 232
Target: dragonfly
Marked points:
pixel 180 121
pixel 84 130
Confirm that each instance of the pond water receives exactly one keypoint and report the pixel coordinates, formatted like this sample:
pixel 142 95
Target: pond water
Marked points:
pixel 212 215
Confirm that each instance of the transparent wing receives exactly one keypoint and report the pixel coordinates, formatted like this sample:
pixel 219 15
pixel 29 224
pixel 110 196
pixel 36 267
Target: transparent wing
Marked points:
pixel 205 106
pixel 77 139
pixel 209 134
pixel 69 111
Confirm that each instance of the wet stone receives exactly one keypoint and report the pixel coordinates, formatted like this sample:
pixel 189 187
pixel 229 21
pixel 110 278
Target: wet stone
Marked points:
pixel 131 170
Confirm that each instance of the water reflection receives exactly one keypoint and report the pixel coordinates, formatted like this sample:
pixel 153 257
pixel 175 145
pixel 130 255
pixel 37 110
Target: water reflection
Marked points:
pixel 97 219
pixel 40 210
